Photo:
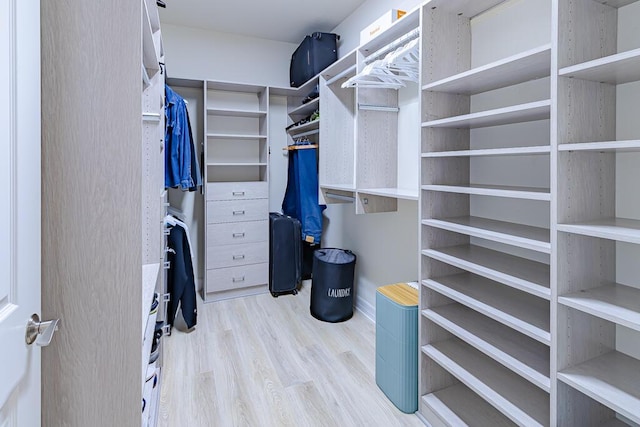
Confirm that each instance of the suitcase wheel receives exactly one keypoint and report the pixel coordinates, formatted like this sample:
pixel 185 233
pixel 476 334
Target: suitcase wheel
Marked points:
pixel 295 292
pixel 273 294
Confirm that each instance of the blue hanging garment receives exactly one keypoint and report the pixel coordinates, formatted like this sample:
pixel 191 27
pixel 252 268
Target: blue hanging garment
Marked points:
pixel 301 197
pixel 181 168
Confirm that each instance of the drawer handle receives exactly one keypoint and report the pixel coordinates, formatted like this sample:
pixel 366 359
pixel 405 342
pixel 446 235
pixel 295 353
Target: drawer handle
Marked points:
pixel 235 257
pixel 237 213
pixel 235 235
pixel 238 193
pixel 238 279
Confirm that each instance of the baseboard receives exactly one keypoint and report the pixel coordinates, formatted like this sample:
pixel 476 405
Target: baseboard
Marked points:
pixel 364 307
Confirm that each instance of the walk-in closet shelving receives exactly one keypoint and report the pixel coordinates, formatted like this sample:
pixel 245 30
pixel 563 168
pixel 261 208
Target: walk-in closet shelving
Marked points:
pixel 598 214
pixel 337 153
pixel 153 206
pixel 381 130
pixel 236 153
pixel 486 294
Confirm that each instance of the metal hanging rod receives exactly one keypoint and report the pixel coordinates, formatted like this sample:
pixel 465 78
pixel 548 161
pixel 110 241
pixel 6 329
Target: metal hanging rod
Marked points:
pixel 378 108
pixel 341 74
pixel 393 45
pixel 349 199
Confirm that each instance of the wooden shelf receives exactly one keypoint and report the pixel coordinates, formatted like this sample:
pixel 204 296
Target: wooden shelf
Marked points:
pixel 458 406
pixel 527 193
pixel 150 58
pixel 235 87
pixel 531 111
pixel 235 136
pixel 236 113
pixel 524 236
pixel 396 193
pixel 619 229
pixel 343 66
pixel 521 401
pixel 525 357
pixel 612 379
pixel 519 273
pixel 617 146
pixel 511 151
pixel 338 187
pixel 304 127
pixel 614 69
pixel 613 302
pixel 306 109
pixel 522 312
pixel 529 65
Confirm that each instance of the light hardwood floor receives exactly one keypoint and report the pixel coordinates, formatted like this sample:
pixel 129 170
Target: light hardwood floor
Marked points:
pixel 264 361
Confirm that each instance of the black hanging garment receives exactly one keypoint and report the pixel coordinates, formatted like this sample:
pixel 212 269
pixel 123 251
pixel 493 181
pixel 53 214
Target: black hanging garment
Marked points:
pixel 180 279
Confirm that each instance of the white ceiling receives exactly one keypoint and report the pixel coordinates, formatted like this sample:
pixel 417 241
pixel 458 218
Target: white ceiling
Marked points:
pixel 281 20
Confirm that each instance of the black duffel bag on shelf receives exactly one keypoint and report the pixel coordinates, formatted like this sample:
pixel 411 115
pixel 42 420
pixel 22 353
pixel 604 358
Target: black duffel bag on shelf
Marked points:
pixel 315 53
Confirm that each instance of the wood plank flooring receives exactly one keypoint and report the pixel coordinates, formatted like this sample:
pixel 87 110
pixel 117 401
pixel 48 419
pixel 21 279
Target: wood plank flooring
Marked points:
pixel 264 361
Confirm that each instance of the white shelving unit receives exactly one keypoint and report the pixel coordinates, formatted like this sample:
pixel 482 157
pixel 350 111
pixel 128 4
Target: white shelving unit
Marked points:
pixel 520 401
pixel 236 204
pixel 470 409
pixel 336 166
pixel 520 354
pixel 487 295
pixel 153 192
pixel 598 222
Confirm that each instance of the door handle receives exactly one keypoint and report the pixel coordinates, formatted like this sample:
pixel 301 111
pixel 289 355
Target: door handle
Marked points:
pixel 40 332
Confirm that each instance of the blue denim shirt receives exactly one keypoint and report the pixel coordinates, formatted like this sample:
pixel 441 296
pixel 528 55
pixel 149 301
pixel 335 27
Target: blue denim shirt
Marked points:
pixel 177 152
pixel 301 196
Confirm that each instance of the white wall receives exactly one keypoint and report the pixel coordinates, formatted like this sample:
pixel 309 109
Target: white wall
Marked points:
pixel 199 54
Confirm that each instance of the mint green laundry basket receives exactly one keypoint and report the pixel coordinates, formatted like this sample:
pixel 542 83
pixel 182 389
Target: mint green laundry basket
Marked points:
pixel 397 344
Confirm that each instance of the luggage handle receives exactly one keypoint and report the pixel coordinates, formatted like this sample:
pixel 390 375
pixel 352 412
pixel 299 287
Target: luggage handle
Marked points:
pixel 236 257
pixel 238 213
pixel 238 193
pixel 238 234
pixel 238 279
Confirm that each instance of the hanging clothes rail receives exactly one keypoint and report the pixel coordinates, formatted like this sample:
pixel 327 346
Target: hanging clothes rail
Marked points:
pixel 299 147
pixel 400 41
pixel 400 63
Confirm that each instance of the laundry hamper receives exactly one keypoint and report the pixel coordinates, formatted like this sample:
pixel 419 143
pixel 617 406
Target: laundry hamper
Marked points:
pixel 332 284
pixel 397 345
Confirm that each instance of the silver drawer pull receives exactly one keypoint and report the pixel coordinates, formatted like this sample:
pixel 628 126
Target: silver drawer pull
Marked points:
pixel 238 193
pixel 238 279
pixel 236 213
pixel 235 257
pixel 238 235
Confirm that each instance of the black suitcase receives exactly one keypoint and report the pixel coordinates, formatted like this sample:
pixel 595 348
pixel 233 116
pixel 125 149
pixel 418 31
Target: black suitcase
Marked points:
pixel 285 254
pixel 315 53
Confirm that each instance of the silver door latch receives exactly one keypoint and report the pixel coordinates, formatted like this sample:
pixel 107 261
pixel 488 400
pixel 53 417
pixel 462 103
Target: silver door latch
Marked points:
pixel 40 332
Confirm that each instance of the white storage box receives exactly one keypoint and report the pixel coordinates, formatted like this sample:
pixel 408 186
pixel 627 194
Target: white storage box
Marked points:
pixel 380 24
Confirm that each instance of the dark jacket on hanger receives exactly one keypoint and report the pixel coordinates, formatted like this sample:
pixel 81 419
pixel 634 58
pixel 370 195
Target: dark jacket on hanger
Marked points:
pixel 180 279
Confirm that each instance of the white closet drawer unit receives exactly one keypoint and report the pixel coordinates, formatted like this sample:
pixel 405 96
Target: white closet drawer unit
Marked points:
pixel 234 255
pixel 236 233
pixel 222 279
pixel 237 210
pixel 237 190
